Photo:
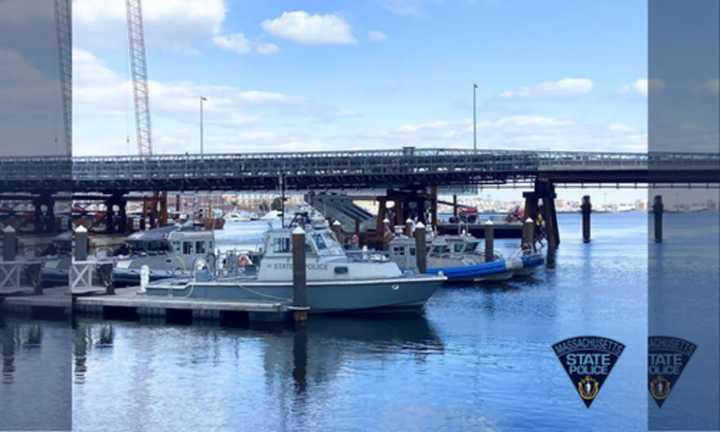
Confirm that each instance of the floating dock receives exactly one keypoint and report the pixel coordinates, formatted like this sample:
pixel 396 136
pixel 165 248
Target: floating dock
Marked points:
pixel 128 303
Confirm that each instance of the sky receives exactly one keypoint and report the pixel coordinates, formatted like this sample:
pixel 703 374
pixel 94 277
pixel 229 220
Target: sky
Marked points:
pixel 291 75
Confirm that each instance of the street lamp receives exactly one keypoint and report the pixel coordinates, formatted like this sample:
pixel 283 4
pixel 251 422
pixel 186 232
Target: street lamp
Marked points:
pixel 475 86
pixel 202 146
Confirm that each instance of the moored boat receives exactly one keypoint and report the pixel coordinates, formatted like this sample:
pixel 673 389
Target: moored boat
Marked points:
pixel 335 282
pixel 169 252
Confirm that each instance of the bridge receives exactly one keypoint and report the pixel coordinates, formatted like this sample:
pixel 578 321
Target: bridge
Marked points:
pixel 347 170
pixel 406 173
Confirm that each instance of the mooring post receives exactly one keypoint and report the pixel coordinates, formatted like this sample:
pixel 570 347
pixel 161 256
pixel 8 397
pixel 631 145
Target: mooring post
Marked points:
pixel 658 216
pixel 586 208
pixel 9 243
pixel 81 245
pixel 489 241
pixel 550 258
pixel 528 235
pixel 421 247
pixel 455 212
pixel 409 227
pixel 387 233
pixel 337 230
pixel 299 274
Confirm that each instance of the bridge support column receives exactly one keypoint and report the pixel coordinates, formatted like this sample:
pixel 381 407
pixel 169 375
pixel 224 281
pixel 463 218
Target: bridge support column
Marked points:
pixel 434 207
pixel 163 216
pixel 658 210
pixel 110 216
pixel 586 208
pixel 531 205
pixel 116 223
pixel 44 220
pixel 381 215
pixel 546 191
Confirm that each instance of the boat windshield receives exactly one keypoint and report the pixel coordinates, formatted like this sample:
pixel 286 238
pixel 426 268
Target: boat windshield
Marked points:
pixel 470 247
pixel 326 244
pixel 319 242
pixel 440 249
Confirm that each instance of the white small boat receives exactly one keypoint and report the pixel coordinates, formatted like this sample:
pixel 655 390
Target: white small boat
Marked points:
pixel 335 282
pixel 235 217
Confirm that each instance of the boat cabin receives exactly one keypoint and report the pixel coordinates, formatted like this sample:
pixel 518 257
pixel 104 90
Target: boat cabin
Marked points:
pixel 318 243
pixel 447 246
pixel 402 251
pixel 170 240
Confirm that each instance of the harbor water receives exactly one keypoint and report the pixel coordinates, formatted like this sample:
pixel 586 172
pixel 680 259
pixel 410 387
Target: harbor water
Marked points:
pixel 479 358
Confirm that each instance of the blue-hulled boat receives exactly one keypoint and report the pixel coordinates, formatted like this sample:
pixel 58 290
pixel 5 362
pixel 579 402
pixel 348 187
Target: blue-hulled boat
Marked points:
pixel 454 256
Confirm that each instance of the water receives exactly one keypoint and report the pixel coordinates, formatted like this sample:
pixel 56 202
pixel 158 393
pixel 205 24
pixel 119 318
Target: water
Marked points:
pixel 480 357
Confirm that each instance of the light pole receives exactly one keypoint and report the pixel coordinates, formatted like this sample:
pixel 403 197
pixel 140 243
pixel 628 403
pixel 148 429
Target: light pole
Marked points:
pixel 475 117
pixel 202 146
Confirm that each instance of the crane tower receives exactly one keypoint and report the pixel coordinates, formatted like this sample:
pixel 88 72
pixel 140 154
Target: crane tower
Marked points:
pixel 64 40
pixel 138 68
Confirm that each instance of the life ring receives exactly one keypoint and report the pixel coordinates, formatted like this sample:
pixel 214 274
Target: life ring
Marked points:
pixel 244 261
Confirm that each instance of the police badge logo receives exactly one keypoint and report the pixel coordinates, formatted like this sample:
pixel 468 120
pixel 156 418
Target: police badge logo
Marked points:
pixel 667 357
pixel 588 360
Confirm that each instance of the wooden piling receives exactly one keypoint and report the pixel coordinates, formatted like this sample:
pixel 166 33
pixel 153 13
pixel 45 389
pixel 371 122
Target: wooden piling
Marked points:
pixel 421 247
pixel 489 229
pixel 528 235
pixel 455 207
pixel 81 244
pixel 299 274
pixel 337 230
pixel 586 208
pixel 550 258
pixel 658 209
pixel 9 243
pixel 409 227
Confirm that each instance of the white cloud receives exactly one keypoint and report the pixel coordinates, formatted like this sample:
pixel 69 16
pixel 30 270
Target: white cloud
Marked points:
pixel 237 119
pixel 620 127
pixel 201 12
pixel 518 132
pixel 642 86
pixel 302 27
pixel 376 36
pixel 562 87
pixel 266 48
pixel 168 24
pixel 240 44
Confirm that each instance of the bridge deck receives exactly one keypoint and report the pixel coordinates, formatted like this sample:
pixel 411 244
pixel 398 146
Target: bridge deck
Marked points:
pixel 347 169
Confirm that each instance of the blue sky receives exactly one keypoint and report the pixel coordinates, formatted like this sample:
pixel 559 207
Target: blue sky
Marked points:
pixel 285 75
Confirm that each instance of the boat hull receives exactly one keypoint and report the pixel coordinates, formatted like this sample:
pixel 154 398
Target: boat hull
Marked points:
pixel 131 276
pixel 494 270
pixel 529 264
pixel 323 297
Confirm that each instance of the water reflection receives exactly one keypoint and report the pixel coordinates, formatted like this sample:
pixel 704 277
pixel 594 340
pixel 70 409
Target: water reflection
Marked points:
pixel 84 340
pixel 9 337
pixel 281 365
